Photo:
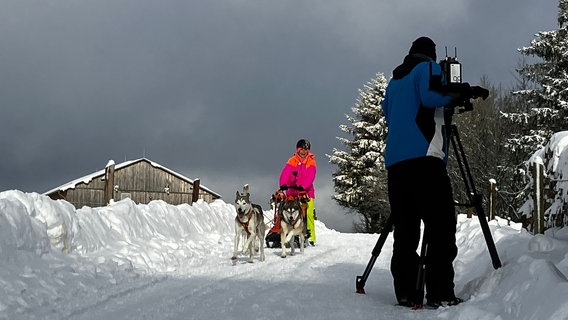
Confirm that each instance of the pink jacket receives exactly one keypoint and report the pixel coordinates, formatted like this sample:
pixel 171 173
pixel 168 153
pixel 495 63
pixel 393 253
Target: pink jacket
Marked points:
pixel 299 172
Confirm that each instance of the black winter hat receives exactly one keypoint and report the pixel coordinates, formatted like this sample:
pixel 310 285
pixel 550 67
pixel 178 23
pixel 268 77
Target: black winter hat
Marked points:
pixel 303 143
pixel 425 46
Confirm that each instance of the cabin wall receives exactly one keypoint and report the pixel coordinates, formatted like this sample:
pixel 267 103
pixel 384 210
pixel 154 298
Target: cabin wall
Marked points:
pixel 139 181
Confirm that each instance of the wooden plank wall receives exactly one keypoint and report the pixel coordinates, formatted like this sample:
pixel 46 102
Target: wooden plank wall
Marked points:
pixel 139 181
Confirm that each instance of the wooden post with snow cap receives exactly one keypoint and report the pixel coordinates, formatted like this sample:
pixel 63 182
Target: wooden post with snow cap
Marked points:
pixel 195 194
pixel 109 182
pixel 538 216
pixel 245 189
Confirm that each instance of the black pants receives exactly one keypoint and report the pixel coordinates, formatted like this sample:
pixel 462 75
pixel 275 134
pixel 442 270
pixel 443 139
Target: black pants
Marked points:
pixel 420 189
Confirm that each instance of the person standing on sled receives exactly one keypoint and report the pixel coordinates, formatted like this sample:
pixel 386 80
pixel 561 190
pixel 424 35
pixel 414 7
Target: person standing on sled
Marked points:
pixel 297 176
pixel 418 183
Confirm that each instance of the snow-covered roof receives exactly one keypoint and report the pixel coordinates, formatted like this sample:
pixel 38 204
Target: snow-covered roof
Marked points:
pixel 86 179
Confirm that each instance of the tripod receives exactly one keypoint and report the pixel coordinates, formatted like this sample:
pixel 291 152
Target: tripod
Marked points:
pixel 475 201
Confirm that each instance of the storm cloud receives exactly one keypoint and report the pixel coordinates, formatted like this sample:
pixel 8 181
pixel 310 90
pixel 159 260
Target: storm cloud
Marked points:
pixel 219 90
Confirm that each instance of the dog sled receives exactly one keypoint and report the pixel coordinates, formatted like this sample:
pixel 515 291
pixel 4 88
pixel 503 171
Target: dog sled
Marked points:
pixel 283 206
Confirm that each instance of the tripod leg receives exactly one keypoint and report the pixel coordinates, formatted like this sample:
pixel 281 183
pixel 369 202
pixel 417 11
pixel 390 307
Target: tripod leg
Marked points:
pixel 421 278
pixel 360 280
pixel 474 198
pixel 487 233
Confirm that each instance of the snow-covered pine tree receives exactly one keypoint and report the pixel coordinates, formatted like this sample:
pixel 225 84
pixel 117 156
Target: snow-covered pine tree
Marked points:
pixel 545 103
pixel 548 100
pixel 360 179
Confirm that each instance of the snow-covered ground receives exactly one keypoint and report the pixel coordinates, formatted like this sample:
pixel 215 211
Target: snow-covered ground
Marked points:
pixel 157 261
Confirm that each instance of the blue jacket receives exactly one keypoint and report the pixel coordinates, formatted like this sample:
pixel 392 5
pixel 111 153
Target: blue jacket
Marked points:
pixel 414 112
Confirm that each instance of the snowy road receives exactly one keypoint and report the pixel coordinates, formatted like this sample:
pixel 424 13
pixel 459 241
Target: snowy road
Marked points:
pixel 318 284
pixel 320 281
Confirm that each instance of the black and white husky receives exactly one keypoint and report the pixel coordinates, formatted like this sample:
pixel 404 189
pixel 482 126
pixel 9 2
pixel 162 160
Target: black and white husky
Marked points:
pixel 292 224
pixel 249 225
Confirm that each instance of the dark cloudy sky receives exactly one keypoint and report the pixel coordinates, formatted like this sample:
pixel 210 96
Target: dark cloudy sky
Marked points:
pixel 219 90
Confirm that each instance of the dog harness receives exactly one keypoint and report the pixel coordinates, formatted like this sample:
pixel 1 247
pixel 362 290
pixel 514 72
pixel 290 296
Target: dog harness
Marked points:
pixel 245 224
pixel 280 197
pixel 302 214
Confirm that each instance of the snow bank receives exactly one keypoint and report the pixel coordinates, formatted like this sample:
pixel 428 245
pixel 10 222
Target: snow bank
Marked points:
pixel 123 256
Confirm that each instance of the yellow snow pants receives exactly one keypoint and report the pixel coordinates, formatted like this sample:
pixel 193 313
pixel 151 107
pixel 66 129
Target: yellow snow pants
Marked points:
pixel 310 220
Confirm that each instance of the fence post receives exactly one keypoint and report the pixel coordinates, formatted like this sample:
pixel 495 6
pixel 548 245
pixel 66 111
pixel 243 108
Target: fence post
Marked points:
pixel 492 198
pixel 109 183
pixel 538 216
pixel 195 195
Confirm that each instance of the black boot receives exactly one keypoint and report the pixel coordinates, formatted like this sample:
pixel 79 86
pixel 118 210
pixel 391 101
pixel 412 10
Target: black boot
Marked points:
pixel 435 304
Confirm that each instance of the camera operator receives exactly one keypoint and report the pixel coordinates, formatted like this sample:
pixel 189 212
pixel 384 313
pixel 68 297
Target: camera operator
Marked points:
pixel 418 182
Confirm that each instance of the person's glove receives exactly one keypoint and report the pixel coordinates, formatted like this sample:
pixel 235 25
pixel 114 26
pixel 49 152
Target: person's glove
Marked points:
pixel 479 92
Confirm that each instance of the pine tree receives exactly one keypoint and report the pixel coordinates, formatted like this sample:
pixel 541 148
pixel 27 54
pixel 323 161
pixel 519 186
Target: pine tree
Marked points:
pixel 360 180
pixel 542 102
pixel 548 100
pixel 519 142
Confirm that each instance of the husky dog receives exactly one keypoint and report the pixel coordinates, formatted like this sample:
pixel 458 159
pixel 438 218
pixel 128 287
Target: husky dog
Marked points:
pixel 249 223
pixel 292 224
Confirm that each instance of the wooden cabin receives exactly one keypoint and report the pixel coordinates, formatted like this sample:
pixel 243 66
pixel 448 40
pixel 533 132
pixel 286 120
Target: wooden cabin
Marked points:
pixel 141 180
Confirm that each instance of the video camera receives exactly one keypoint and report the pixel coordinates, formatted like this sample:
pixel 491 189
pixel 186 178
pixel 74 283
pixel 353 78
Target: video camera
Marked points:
pixel 453 85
